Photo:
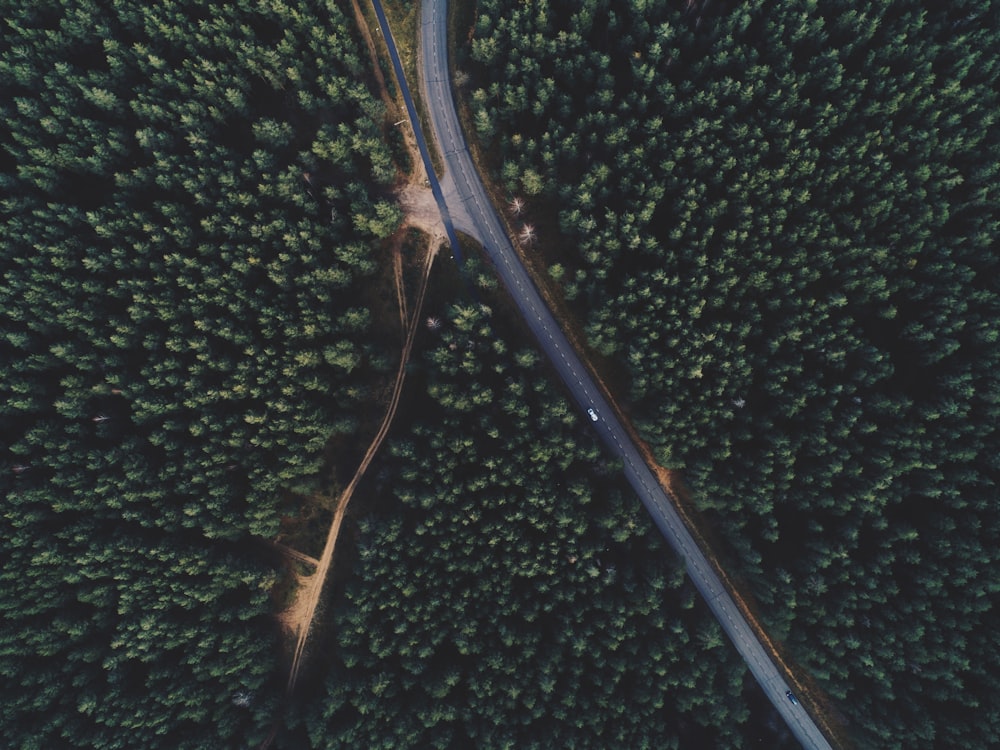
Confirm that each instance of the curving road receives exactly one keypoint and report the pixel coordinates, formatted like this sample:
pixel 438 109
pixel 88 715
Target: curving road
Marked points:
pixel 468 203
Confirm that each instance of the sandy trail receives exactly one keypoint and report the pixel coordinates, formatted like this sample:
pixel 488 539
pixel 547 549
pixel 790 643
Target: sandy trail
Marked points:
pixel 296 555
pixel 421 212
pixel 397 275
pixel 303 613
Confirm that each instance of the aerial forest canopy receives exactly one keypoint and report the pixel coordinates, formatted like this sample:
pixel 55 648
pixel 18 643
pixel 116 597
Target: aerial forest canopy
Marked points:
pixel 509 592
pixel 782 219
pixel 189 195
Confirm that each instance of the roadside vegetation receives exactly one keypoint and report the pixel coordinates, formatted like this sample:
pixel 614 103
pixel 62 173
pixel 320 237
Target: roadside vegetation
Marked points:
pixel 781 219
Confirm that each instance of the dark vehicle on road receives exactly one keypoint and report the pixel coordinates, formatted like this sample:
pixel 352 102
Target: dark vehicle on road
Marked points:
pixel 791 697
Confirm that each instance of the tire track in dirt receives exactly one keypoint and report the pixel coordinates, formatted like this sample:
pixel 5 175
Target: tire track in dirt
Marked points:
pixel 295 554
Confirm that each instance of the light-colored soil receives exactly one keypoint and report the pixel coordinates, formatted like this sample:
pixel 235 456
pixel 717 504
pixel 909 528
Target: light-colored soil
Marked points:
pixel 397 277
pixel 421 210
pixel 290 618
pixel 414 195
pixel 296 555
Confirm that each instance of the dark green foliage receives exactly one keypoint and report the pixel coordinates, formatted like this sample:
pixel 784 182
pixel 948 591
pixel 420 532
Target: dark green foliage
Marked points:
pixel 147 641
pixel 784 219
pixel 513 595
pixel 185 199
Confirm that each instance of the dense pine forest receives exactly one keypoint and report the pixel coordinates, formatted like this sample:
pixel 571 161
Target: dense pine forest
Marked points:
pixel 780 219
pixel 189 196
pixel 508 590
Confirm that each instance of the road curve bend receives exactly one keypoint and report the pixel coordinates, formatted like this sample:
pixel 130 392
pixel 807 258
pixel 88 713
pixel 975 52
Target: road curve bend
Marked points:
pixel 470 199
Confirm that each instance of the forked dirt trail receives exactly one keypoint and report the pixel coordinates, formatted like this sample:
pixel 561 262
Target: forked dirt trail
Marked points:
pixel 421 212
pixel 301 615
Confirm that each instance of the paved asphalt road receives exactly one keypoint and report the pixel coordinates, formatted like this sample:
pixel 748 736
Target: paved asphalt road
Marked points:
pixel 487 228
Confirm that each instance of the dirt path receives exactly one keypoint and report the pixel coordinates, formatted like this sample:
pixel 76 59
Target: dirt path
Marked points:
pixel 295 554
pixel 303 612
pixel 420 211
pixel 397 275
